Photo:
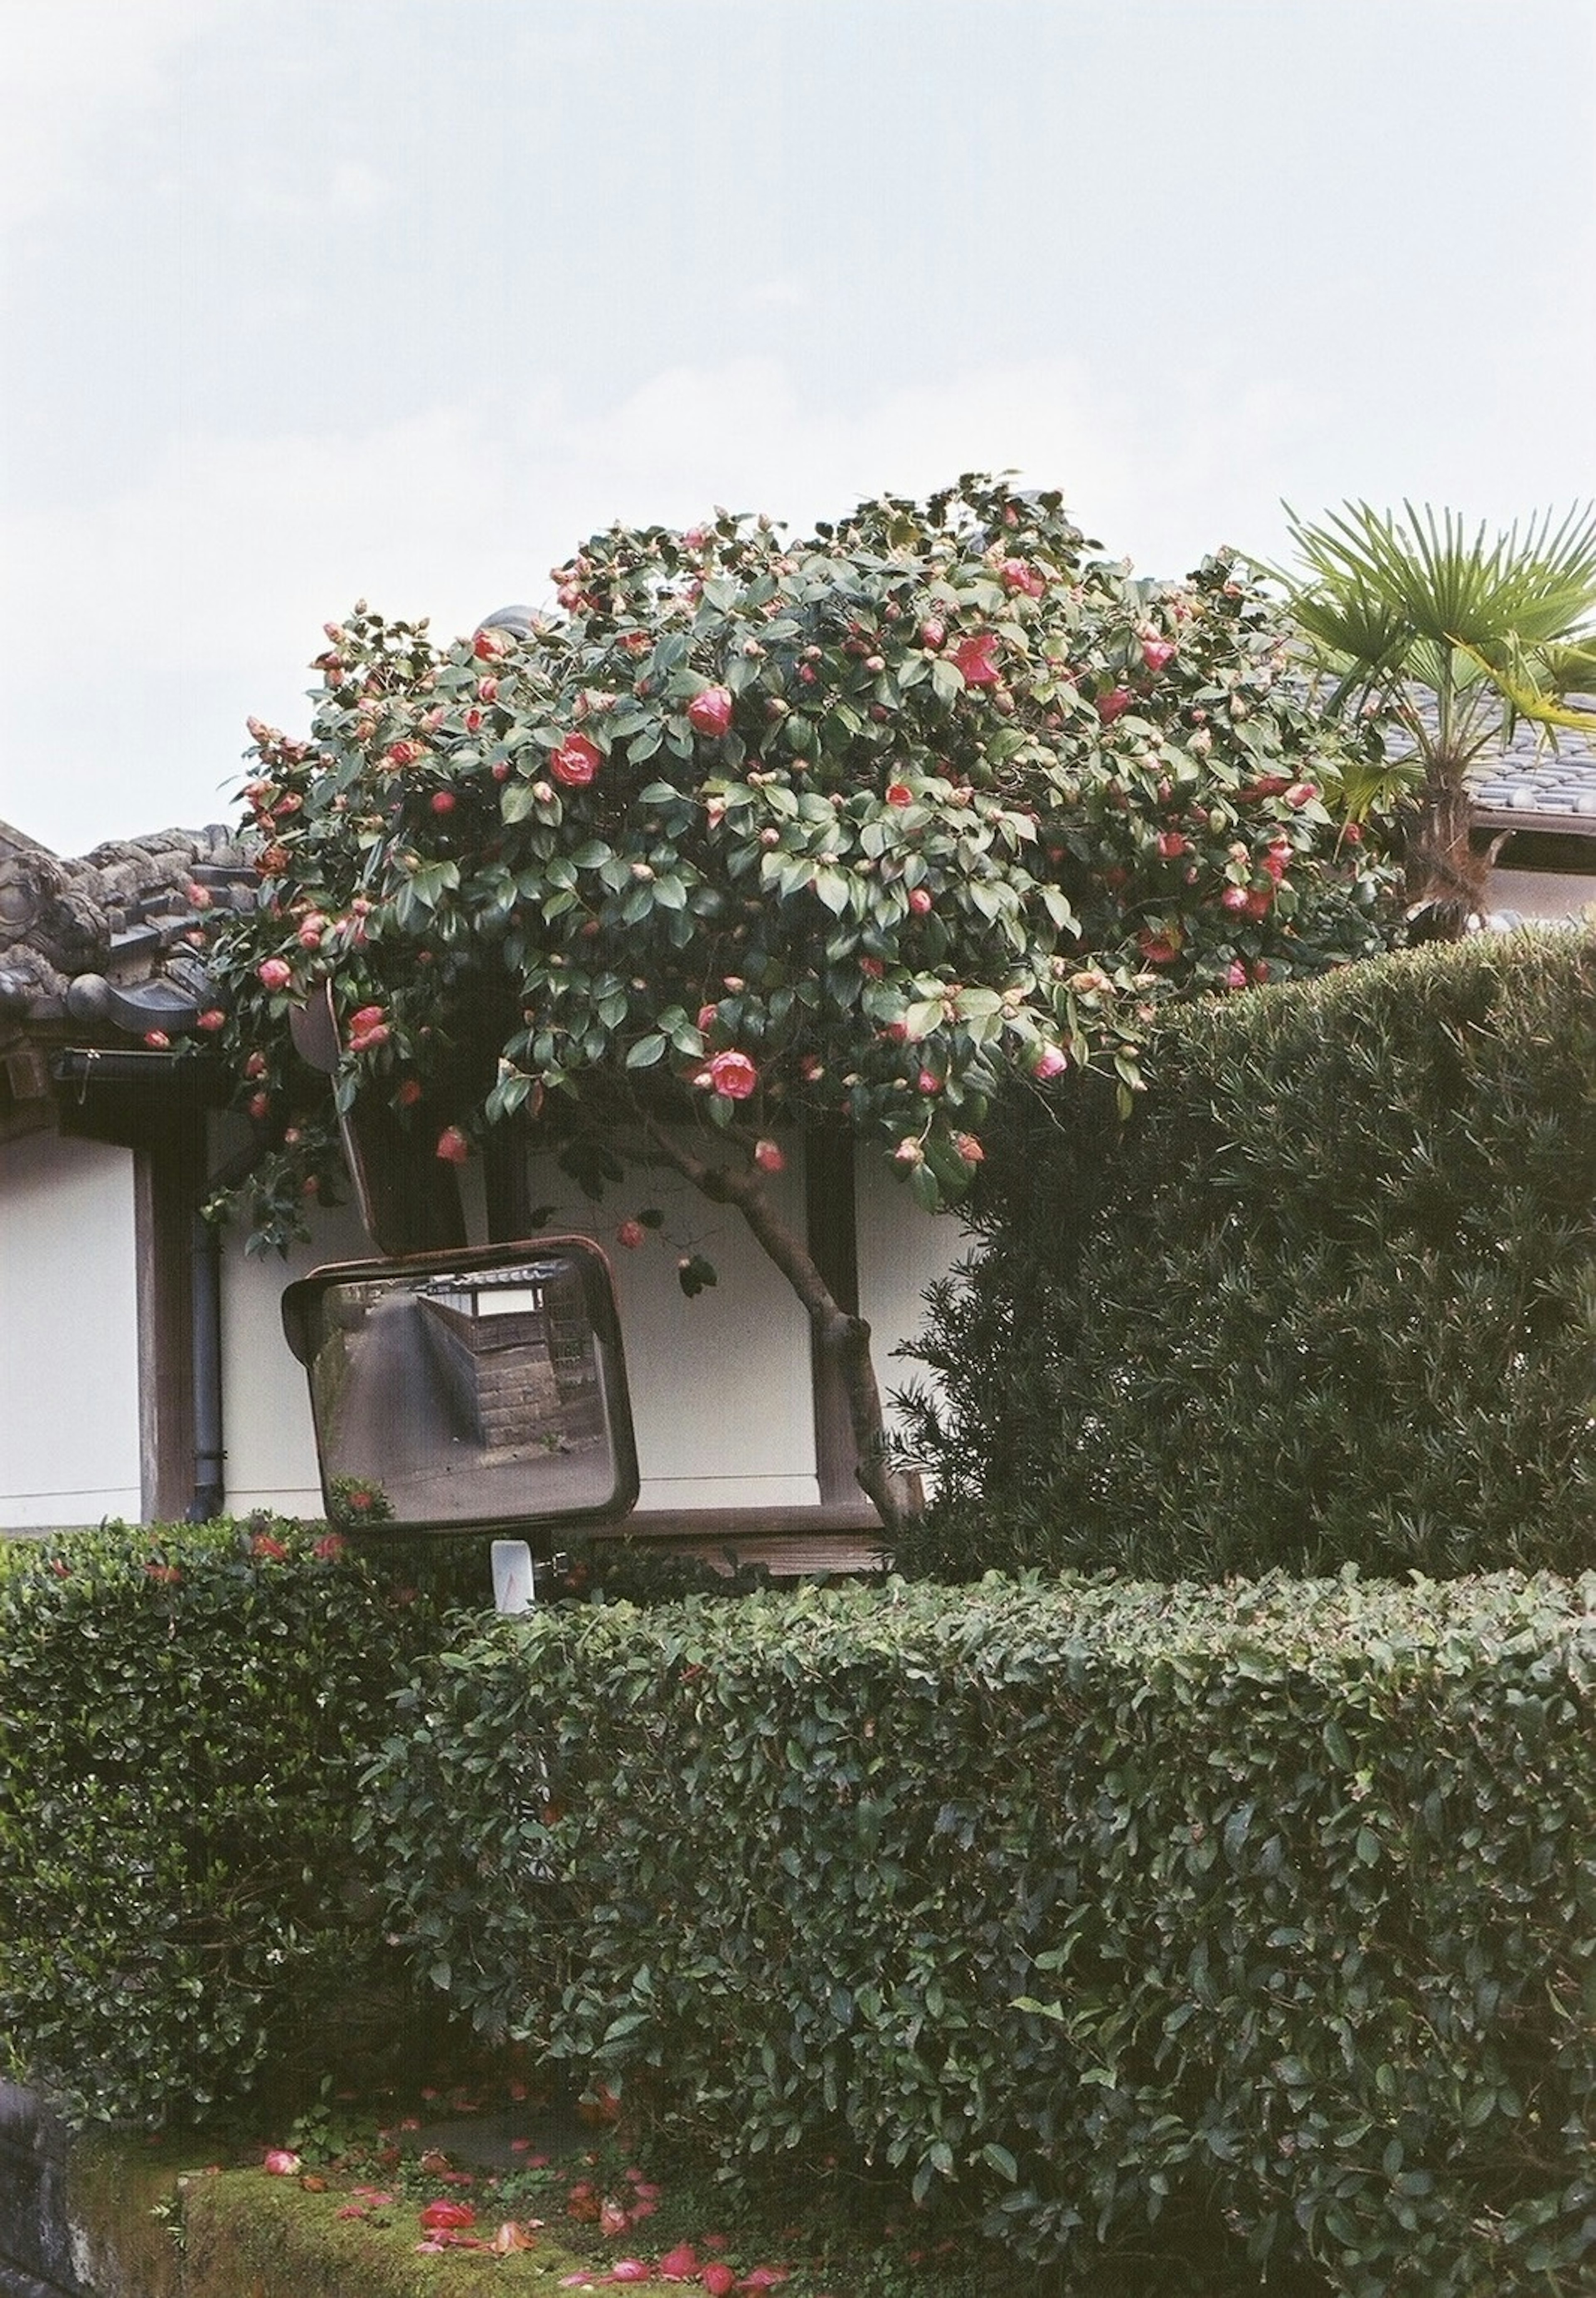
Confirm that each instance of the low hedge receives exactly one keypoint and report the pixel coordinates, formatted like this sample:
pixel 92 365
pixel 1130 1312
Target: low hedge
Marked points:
pixel 184 1713
pixel 1108 1910
pixel 1328 1296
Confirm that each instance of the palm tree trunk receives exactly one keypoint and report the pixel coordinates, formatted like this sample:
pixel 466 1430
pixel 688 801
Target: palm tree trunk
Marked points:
pixel 1445 878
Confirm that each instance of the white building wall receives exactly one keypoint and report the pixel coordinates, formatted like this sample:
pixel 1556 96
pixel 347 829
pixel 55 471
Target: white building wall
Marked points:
pixel 68 1334
pixel 901 1251
pixel 271 1444
pixel 721 1396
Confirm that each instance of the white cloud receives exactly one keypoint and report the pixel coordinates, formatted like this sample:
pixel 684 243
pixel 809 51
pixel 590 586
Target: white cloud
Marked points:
pixel 68 70
pixel 165 616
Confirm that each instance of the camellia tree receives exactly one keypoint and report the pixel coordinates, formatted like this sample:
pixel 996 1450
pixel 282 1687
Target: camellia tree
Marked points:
pixel 749 835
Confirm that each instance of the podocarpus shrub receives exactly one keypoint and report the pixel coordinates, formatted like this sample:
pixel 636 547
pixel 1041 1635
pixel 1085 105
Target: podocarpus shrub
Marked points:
pixel 1109 1905
pixel 1329 1296
pixel 183 1716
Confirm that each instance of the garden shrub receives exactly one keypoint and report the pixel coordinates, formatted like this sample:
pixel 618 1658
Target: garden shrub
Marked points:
pixel 1329 1296
pixel 183 1716
pixel 1105 1908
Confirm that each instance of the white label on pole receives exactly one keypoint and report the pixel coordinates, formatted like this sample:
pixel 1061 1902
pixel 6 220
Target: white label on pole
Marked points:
pixel 513 1589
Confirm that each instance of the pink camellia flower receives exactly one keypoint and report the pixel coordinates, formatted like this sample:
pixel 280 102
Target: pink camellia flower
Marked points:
pixel 928 1081
pixel 1050 1063
pixel 612 2219
pixel 733 1076
pixel 403 753
pixel 1259 901
pixel 908 1153
pixel 443 801
pixel 1172 845
pixel 1300 794
pixel 1235 975
pixel 708 1015
pixel 453 1146
pixel 330 1545
pixel 311 928
pixel 1114 704
pixel 679 2265
pixel 1157 652
pixel 410 1093
pixel 488 646
pixel 718 2279
pixel 575 761
pixel 258 1105
pixel 1159 948
pixel 710 712
pixel 274 973
pixel 1234 897
pixel 273 1551
pixel 920 901
pixel 763 2278
pixel 969 1149
pixel 281 2162
pixel 255 1066
pixel 1020 575
pixel 631 1233
pixel 443 2213
pixel 974 659
pixel 628 2270
pixel 487 690
pixel 157 1040
pixel 933 633
pixel 768 1156
pixel 899 794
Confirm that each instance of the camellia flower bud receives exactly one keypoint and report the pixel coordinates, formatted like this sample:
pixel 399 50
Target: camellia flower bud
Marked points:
pixel 768 1157
pixel 275 973
pixel 453 1146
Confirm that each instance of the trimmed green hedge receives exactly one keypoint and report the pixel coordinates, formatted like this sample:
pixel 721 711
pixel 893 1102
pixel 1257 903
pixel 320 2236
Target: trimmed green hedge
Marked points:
pixel 1329 1296
pixel 184 1713
pixel 1114 1908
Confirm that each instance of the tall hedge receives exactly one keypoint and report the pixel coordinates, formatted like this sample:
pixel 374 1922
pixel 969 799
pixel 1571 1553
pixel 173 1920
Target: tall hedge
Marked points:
pixel 1115 1910
pixel 1328 1296
pixel 184 1715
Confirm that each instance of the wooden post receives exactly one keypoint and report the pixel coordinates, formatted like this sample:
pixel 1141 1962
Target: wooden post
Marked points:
pixel 832 1240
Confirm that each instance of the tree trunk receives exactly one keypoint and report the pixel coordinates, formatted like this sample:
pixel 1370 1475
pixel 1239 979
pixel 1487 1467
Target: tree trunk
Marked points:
pixel 841 1338
pixel 1445 878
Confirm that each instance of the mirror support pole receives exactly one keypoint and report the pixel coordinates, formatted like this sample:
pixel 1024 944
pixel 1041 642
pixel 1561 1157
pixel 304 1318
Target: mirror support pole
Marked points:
pixel 515 1589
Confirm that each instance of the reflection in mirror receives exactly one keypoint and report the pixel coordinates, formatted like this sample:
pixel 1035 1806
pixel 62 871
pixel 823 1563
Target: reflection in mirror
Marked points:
pixel 463 1389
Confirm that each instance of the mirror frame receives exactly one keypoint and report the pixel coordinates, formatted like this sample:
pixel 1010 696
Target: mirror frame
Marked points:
pixel 303 1298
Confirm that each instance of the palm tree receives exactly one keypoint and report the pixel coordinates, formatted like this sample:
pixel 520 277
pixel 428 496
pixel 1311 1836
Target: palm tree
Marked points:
pixel 1415 615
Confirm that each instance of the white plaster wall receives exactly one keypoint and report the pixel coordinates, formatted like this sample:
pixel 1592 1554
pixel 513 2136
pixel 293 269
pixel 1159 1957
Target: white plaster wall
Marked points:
pixel 269 1443
pixel 720 1384
pixel 901 1251
pixel 69 1334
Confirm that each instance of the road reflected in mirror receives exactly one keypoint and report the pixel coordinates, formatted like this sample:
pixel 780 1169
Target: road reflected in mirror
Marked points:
pixel 467 1389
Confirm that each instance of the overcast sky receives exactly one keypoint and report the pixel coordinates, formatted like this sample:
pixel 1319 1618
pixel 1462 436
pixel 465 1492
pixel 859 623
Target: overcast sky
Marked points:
pixel 307 300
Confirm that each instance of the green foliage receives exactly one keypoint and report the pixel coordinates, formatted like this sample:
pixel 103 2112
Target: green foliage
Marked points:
pixel 857 827
pixel 183 1716
pixel 1332 1300
pixel 1399 607
pixel 1098 1905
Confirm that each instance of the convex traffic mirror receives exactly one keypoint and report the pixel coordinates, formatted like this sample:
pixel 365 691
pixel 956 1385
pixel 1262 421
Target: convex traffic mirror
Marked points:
pixel 460 1391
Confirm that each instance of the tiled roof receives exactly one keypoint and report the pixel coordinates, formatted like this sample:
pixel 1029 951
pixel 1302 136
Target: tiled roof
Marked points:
pixel 1531 785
